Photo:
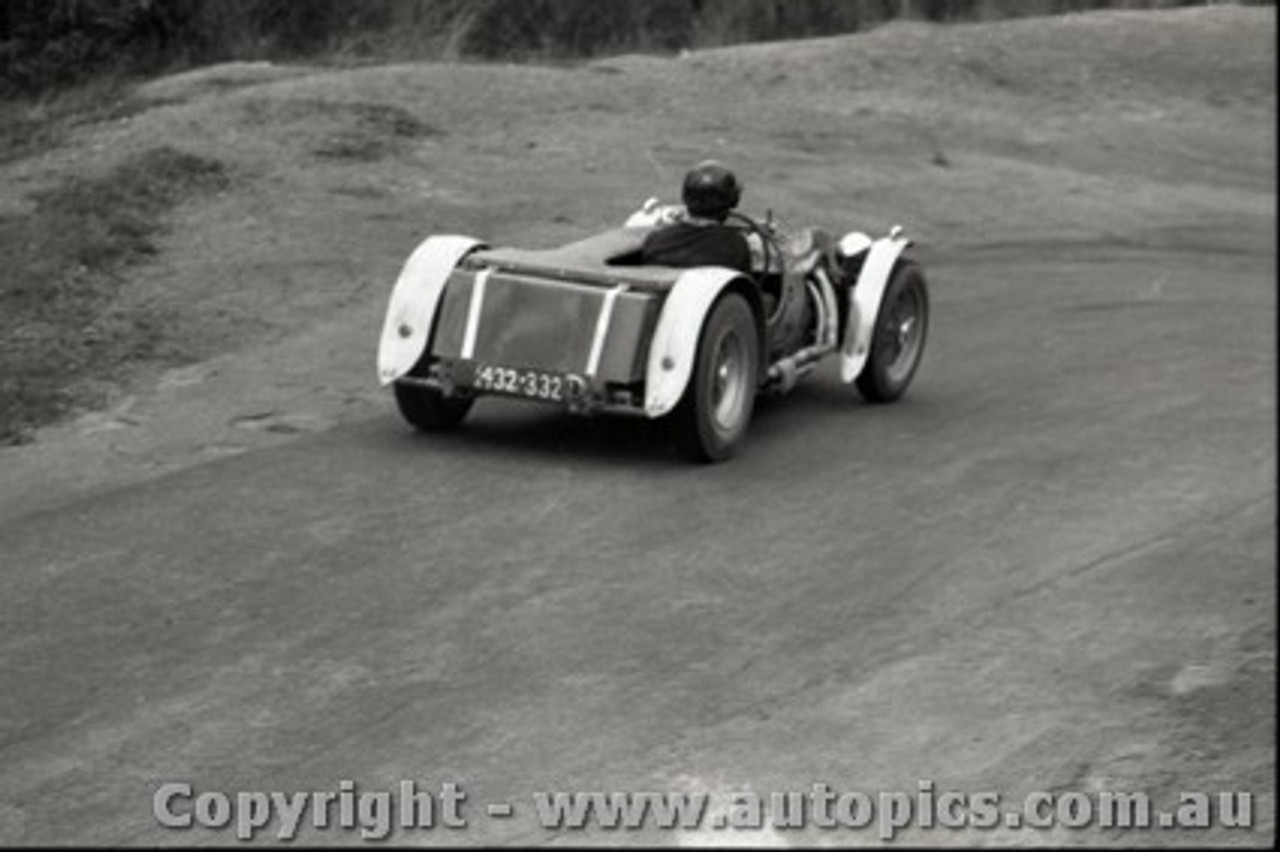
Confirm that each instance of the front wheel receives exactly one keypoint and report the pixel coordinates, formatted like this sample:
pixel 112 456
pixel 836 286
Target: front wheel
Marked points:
pixel 897 341
pixel 430 410
pixel 716 408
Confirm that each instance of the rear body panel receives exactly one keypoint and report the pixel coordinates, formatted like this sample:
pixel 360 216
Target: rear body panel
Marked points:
pixel 583 324
pixel 531 322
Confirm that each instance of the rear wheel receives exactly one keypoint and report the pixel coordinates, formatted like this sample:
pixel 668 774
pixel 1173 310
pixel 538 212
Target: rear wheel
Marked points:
pixel 897 342
pixel 430 410
pixel 716 409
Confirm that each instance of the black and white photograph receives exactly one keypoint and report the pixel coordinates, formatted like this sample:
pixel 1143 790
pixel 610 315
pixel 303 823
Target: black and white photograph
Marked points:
pixel 676 423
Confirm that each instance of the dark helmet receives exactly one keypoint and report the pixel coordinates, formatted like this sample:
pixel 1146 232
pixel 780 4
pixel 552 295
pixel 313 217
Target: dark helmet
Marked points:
pixel 711 190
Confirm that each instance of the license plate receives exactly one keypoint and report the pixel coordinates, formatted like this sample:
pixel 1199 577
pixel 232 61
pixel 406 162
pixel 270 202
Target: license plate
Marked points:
pixel 514 381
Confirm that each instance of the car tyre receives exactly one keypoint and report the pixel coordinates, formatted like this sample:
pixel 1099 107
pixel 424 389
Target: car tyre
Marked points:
pixel 714 413
pixel 430 410
pixel 897 341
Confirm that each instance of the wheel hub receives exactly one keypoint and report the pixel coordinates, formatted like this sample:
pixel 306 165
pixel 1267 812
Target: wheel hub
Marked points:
pixel 728 390
pixel 902 333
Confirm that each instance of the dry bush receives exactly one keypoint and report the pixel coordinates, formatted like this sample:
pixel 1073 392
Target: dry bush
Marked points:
pixel 47 43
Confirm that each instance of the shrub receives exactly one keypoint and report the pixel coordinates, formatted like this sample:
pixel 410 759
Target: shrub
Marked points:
pixel 50 43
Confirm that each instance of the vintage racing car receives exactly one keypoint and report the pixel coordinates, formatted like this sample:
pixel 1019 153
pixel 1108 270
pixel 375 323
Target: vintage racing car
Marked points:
pixel 586 327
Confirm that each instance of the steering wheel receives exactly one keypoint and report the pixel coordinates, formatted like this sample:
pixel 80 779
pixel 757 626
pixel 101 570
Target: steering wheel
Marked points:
pixel 766 241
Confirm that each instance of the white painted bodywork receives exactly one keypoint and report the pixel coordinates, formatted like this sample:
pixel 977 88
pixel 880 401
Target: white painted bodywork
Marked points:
pixel 653 212
pixel 472 331
pixel 868 296
pixel 853 244
pixel 675 339
pixel 414 301
pixel 603 321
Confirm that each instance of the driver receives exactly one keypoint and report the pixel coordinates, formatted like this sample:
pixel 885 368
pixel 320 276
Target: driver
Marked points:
pixel 701 237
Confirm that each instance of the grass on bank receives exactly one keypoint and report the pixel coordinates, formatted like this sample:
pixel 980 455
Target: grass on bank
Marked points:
pixel 63 321
pixel 33 125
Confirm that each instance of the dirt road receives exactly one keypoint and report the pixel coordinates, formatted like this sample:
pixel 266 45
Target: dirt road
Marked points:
pixel 1050 568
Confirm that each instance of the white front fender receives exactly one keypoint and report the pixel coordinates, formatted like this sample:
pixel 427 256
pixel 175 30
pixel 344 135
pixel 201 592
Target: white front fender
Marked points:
pixel 674 346
pixel 413 303
pixel 864 308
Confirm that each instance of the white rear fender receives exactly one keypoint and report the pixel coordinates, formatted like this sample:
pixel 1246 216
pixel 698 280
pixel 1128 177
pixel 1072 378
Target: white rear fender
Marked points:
pixel 413 303
pixel 864 308
pixel 674 345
